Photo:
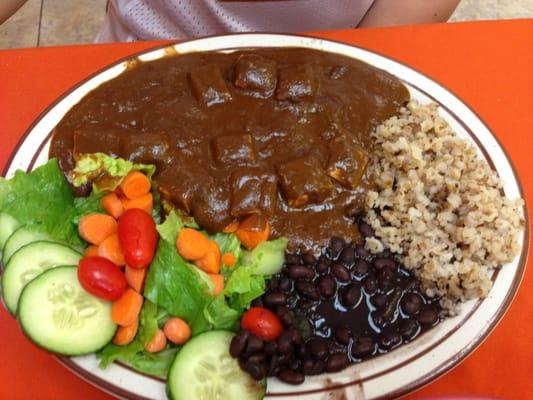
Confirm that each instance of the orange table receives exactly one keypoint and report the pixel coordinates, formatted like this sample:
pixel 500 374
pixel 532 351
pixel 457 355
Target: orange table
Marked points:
pixel 489 65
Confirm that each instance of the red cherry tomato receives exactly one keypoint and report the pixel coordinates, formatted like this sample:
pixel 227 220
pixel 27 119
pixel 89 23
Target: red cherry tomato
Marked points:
pixel 262 323
pixel 137 237
pixel 101 278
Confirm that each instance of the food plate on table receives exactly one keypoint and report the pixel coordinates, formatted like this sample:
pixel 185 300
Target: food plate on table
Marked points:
pixel 306 210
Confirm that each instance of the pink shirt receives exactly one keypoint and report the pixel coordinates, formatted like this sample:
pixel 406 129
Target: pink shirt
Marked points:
pixel 130 20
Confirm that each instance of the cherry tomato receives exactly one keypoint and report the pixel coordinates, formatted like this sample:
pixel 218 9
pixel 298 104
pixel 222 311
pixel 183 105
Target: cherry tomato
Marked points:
pixel 262 323
pixel 101 278
pixel 137 237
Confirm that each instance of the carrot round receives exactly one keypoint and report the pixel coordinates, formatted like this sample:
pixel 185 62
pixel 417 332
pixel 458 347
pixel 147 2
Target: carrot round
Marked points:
pixel 135 185
pixel 253 231
pixel 145 202
pixel 91 251
pixel 127 308
pixel 231 227
pixel 157 343
pixel 136 277
pixel 95 228
pixel 191 244
pixel 218 283
pixel 229 259
pixel 110 249
pixel 112 204
pixel 126 334
pixel 177 330
pixel 210 262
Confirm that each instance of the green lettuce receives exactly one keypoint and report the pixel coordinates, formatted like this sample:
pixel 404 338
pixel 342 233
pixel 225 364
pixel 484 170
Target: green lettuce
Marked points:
pixel 106 172
pixel 41 200
pixel 87 205
pixel 134 354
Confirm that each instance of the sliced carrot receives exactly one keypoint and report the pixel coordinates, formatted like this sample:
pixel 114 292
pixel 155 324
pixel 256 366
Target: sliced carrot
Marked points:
pixel 210 262
pixel 91 251
pixel 135 185
pixel 177 330
pixel 136 277
pixel 126 334
pixel 112 204
pixel 127 308
pixel 218 283
pixel 157 343
pixel 252 231
pixel 229 259
pixel 110 249
pixel 145 203
pixel 95 228
pixel 231 227
pixel 191 244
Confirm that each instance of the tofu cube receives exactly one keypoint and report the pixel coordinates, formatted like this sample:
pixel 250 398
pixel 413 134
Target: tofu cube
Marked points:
pixel 208 85
pixel 253 191
pixel 347 162
pixel 304 181
pixel 296 83
pixel 233 148
pixel 256 74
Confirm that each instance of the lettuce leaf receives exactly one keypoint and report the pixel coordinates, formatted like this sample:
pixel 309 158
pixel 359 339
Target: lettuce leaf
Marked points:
pixel 106 172
pixel 41 200
pixel 87 205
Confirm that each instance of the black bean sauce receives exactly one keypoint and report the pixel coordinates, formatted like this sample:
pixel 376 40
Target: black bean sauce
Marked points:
pixel 340 308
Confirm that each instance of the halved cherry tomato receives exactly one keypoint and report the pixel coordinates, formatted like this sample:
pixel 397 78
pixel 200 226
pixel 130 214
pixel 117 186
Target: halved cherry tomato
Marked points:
pixel 262 323
pixel 138 237
pixel 101 278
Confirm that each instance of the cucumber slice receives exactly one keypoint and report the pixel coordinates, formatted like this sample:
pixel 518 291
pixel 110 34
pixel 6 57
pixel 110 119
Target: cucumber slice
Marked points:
pixel 21 237
pixel 268 257
pixel 204 369
pixel 30 261
pixel 8 225
pixel 56 313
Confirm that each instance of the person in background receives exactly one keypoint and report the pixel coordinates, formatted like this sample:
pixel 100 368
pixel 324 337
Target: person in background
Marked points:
pixel 131 20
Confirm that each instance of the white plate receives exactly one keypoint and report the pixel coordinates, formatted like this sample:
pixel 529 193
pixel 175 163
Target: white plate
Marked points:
pixel 389 375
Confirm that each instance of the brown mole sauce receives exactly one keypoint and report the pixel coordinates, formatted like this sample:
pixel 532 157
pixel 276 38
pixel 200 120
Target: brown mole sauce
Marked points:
pixel 284 133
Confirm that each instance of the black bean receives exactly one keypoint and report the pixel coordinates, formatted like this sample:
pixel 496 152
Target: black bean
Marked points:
pixel 308 290
pixel 381 263
pixel 378 319
pixel 303 326
pixel 301 351
pixel 273 366
pixel 257 371
pixel 343 335
pixel 238 343
pixel 273 300
pixel 318 348
pixel 290 377
pixel 340 272
pixel 379 300
pixel 309 259
pixel 361 252
pixel 305 305
pixel 411 304
pixel 347 256
pixel 285 316
pixel 311 367
pixel 385 279
pixel 257 358
pixel 370 284
pixel 270 347
pixel 254 345
pixel 351 295
pixel 296 338
pixel 389 340
pixel 327 286
pixel 353 210
pixel 322 267
pixel 360 268
pixel 429 316
pixel 292 259
pixel 295 364
pixel 300 272
pixel 337 362
pixel 284 342
pixel 335 245
pixel 363 347
pixel 273 284
pixel 285 285
pixel 365 230
pixel 409 329
pixel 335 348
pixel 257 302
